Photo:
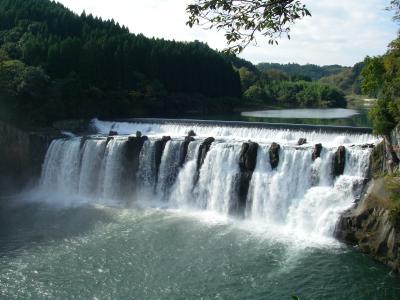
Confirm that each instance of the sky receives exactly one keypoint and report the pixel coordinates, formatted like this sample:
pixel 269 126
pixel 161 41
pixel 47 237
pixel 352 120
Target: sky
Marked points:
pixel 339 32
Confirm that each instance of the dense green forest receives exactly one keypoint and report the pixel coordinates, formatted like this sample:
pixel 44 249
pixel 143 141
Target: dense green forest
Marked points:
pixel 270 85
pixel 347 80
pixel 308 71
pixel 55 64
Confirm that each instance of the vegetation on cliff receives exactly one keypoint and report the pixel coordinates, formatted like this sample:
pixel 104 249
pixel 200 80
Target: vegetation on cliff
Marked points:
pixel 381 79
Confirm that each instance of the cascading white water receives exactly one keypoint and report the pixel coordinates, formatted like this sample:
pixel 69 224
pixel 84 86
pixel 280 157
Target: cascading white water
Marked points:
pixel 182 191
pixel 169 168
pixel 283 136
pixel 92 157
pixel 216 186
pixel 61 169
pixel 300 195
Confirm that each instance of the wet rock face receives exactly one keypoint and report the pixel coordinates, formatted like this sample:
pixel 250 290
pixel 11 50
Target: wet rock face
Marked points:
pixel 274 155
pixel 112 133
pixel 132 149
pixel 184 149
pixel 317 151
pixel 159 149
pixel 191 133
pixel 370 226
pixel 248 157
pixel 302 141
pixel 247 164
pixel 203 150
pixel 373 233
pixel 339 161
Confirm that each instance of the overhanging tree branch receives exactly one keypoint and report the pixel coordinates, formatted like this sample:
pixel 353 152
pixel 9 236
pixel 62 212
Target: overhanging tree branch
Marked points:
pixel 243 19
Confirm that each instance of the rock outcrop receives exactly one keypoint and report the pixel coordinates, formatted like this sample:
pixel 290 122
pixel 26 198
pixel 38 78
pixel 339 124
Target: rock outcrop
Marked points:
pixel 339 161
pixel 191 133
pixel 369 225
pixel 317 151
pixel 274 155
pixel 203 150
pixel 373 223
pixel 184 149
pixel 247 164
pixel 301 141
pixel 131 152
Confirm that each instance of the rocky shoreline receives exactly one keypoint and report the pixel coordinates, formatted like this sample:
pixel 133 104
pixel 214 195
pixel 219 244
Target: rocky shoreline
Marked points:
pixel 372 224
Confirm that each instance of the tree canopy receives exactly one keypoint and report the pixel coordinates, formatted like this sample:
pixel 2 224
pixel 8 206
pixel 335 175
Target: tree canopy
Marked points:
pixel 241 20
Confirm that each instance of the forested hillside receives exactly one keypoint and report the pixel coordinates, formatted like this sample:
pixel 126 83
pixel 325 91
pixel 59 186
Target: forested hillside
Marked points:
pixel 309 71
pixel 292 85
pixel 55 64
pixel 348 80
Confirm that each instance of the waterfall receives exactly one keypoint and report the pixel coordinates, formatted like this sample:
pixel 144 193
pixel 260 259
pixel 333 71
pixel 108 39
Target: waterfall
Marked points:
pixel 216 186
pixel 169 168
pixel 182 191
pixel 93 153
pixel 301 194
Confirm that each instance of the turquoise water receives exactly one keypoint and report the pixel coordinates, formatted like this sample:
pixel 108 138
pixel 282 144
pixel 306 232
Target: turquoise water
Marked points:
pixel 93 252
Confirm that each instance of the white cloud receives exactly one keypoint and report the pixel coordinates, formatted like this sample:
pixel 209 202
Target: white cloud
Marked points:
pixel 339 31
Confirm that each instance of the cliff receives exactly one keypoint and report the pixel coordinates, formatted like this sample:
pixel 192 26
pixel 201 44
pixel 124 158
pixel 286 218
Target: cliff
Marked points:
pixel 373 223
pixel 21 157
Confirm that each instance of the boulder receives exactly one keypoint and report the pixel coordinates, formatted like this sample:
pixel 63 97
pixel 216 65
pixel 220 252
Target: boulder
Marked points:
pixel 131 150
pixel 302 141
pixel 247 164
pixel 191 133
pixel 317 151
pixel 274 155
pixel 248 157
pixel 112 133
pixel 370 225
pixel 184 149
pixel 203 150
pixel 339 161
